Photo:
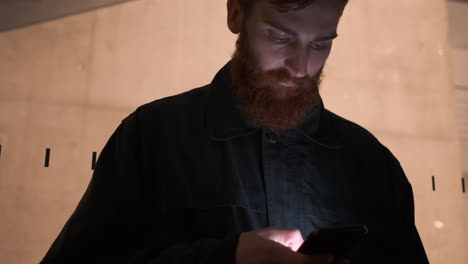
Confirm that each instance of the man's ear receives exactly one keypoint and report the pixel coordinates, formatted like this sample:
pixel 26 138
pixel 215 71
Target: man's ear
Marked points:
pixel 234 16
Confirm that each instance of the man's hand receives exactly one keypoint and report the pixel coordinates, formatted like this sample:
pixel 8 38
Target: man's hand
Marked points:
pixel 275 246
pixel 290 238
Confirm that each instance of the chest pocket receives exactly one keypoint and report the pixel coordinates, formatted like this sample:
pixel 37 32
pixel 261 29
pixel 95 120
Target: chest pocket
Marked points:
pixel 210 206
pixel 331 191
pixel 212 174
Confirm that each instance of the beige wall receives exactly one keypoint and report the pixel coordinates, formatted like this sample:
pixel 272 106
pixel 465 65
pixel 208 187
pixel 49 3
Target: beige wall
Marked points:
pixel 458 20
pixel 66 84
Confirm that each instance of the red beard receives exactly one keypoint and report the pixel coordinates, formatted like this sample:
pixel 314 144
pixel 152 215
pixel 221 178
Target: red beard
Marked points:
pixel 266 103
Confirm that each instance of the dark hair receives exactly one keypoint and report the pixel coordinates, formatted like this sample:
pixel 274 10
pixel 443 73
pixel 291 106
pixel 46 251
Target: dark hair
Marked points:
pixel 283 5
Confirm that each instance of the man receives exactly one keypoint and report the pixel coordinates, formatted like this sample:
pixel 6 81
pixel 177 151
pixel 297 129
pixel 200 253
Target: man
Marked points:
pixel 240 170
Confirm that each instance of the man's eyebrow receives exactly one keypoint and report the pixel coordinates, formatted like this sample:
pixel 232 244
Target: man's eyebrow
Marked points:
pixel 326 38
pixel 294 34
pixel 279 27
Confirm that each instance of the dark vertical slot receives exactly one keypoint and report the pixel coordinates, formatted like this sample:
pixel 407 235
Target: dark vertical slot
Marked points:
pixel 93 160
pixel 463 185
pixel 47 158
pixel 433 183
pixel 0 150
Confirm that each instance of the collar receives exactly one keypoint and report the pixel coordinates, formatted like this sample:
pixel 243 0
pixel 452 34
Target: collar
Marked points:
pixel 225 120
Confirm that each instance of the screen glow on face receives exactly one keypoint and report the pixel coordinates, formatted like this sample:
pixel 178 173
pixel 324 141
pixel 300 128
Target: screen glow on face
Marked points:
pixel 299 41
pixel 283 36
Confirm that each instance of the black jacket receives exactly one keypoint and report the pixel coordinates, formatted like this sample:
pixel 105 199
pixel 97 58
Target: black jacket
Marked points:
pixel 183 176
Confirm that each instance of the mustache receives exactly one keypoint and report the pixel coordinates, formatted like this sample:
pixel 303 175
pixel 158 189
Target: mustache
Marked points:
pixel 276 76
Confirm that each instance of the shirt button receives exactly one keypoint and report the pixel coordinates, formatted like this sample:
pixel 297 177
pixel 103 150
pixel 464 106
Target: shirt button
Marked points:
pixel 270 137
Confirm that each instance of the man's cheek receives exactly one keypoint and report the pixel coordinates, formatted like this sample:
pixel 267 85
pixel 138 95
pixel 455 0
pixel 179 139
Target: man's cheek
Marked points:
pixel 269 59
pixel 316 62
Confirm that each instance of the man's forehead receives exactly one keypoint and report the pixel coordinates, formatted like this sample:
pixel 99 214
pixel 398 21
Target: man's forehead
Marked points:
pixel 317 8
pixel 286 6
pixel 320 15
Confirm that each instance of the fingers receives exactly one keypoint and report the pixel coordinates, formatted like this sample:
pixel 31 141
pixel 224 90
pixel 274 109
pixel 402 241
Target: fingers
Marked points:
pixel 254 249
pixel 291 238
pixel 295 240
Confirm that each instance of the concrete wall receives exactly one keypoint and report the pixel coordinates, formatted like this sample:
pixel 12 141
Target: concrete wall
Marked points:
pixel 458 20
pixel 66 84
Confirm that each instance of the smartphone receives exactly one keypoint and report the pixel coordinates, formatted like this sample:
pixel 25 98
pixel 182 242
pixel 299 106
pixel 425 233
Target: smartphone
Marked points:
pixel 336 241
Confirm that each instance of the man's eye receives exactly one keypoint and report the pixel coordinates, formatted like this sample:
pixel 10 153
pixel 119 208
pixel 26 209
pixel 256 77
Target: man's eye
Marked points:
pixel 320 45
pixel 278 37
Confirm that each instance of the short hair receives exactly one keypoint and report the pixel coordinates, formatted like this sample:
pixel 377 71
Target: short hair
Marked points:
pixel 284 5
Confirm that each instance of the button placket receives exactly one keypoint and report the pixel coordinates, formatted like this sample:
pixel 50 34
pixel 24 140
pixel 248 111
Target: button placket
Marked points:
pixel 283 181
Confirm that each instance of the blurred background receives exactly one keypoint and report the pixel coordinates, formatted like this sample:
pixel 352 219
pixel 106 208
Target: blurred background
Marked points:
pixel 70 71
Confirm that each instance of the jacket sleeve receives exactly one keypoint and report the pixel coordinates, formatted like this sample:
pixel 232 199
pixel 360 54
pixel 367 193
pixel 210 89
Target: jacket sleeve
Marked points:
pixel 108 225
pixel 408 247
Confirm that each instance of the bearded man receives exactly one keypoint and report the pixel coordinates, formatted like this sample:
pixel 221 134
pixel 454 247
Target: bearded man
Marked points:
pixel 240 170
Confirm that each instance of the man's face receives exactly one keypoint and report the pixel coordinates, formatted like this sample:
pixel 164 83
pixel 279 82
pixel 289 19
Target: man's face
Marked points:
pixel 279 59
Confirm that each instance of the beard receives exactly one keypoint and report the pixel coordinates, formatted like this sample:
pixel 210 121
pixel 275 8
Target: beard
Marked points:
pixel 265 102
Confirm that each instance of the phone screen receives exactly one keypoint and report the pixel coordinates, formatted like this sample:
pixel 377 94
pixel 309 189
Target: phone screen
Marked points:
pixel 335 241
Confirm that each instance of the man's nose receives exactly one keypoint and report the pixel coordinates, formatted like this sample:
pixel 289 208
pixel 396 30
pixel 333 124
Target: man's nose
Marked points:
pixel 297 62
